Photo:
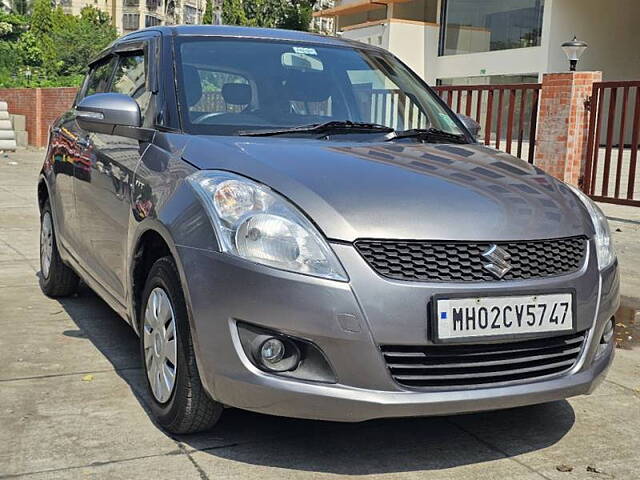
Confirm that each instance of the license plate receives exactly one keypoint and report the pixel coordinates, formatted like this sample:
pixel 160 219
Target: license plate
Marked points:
pixel 464 318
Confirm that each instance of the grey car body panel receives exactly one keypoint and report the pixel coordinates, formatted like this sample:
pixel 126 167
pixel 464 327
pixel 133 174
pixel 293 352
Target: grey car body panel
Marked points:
pixel 350 190
pixel 308 308
pixel 403 190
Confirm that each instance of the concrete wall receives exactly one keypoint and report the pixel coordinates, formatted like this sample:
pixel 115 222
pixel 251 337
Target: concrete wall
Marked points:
pixel 611 29
pixel 501 62
pixel 366 33
pixel 408 42
pixel 40 106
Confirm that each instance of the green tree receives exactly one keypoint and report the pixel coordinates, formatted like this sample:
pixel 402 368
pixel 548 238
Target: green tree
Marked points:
pixel 11 26
pixel 74 40
pixel 41 18
pixel 53 45
pixel 233 12
pixel 207 18
pixel 298 15
pixel 264 13
pixel 292 14
pixel 29 51
pixel 21 7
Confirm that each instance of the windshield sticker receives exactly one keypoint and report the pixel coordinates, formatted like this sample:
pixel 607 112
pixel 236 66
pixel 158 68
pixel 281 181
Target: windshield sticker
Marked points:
pixel 305 50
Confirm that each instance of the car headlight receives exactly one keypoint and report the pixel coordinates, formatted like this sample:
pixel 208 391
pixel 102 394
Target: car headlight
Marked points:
pixel 255 223
pixel 604 246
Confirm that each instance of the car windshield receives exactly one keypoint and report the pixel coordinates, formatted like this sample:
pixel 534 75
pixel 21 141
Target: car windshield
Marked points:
pixel 236 86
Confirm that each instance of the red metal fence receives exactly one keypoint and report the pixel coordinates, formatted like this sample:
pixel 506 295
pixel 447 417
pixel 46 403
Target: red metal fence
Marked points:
pixel 507 113
pixel 612 149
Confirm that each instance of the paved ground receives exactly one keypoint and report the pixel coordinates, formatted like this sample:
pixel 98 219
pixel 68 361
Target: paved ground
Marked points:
pixel 72 402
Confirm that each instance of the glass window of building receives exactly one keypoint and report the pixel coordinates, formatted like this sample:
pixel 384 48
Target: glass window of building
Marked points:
pixel 190 14
pixel 130 21
pixel 151 21
pixel 470 26
pixel 418 10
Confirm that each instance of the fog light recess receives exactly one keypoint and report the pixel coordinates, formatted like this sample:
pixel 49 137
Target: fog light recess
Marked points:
pixel 284 355
pixel 607 337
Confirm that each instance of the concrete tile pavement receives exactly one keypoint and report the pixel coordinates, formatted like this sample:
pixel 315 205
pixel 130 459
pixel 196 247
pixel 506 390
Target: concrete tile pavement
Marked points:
pixel 73 402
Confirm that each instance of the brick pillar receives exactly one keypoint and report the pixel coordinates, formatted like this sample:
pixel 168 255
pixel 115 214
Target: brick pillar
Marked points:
pixel 563 124
pixel 38 118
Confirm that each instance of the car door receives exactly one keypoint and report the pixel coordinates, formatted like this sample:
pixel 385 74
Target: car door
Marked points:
pixel 67 143
pixel 103 199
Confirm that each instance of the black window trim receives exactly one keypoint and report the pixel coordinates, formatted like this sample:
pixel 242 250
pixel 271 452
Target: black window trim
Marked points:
pixel 102 60
pixel 443 26
pixel 149 43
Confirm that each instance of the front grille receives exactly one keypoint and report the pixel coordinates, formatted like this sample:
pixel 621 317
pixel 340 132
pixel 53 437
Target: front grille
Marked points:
pixel 434 261
pixel 459 366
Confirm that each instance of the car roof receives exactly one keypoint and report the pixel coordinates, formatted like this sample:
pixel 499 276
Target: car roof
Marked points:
pixel 243 32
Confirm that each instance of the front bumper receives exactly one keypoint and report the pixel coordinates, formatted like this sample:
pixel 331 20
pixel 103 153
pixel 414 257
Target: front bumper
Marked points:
pixel 348 322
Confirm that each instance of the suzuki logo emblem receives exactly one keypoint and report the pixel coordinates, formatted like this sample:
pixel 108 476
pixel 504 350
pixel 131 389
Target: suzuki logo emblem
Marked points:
pixel 497 261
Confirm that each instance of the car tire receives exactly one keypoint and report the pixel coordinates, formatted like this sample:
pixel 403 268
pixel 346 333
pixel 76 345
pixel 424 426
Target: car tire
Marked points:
pixel 56 278
pixel 185 407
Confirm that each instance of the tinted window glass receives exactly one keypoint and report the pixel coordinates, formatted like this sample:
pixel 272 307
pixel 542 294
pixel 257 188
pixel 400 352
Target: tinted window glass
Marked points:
pixel 221 92
pixel 229 85
pixel 130 79
pixel 99 77
pixel 130 76
pixel 381 100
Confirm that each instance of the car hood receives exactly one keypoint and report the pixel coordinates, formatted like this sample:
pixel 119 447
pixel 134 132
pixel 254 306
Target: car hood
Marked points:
pixel 379 190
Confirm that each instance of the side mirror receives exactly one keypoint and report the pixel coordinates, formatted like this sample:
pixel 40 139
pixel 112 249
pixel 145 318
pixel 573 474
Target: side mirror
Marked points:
pixel 473 126
pixel 106 112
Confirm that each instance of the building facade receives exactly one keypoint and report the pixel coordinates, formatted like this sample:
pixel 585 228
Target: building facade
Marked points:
pixel 323 23
pixel 453 42
pixel 131 15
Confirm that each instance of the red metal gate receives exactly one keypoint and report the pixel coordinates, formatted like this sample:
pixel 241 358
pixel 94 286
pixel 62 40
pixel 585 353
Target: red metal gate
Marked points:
pixel 612 149
pixel 507 113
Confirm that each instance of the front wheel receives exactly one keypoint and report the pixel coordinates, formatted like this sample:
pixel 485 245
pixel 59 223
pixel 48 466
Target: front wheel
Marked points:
pixel 56 278
pixel 179 401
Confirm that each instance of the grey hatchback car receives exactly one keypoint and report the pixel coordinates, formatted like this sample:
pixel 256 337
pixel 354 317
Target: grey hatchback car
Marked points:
pixel 297 225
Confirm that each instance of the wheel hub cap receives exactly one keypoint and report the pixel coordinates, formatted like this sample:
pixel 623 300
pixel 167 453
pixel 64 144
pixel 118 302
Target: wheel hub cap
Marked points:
pixel 160 344
pixel 46 244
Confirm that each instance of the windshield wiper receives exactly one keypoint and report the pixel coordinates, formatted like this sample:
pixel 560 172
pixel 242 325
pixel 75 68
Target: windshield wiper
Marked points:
pixel 335 126
pixel 426 134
